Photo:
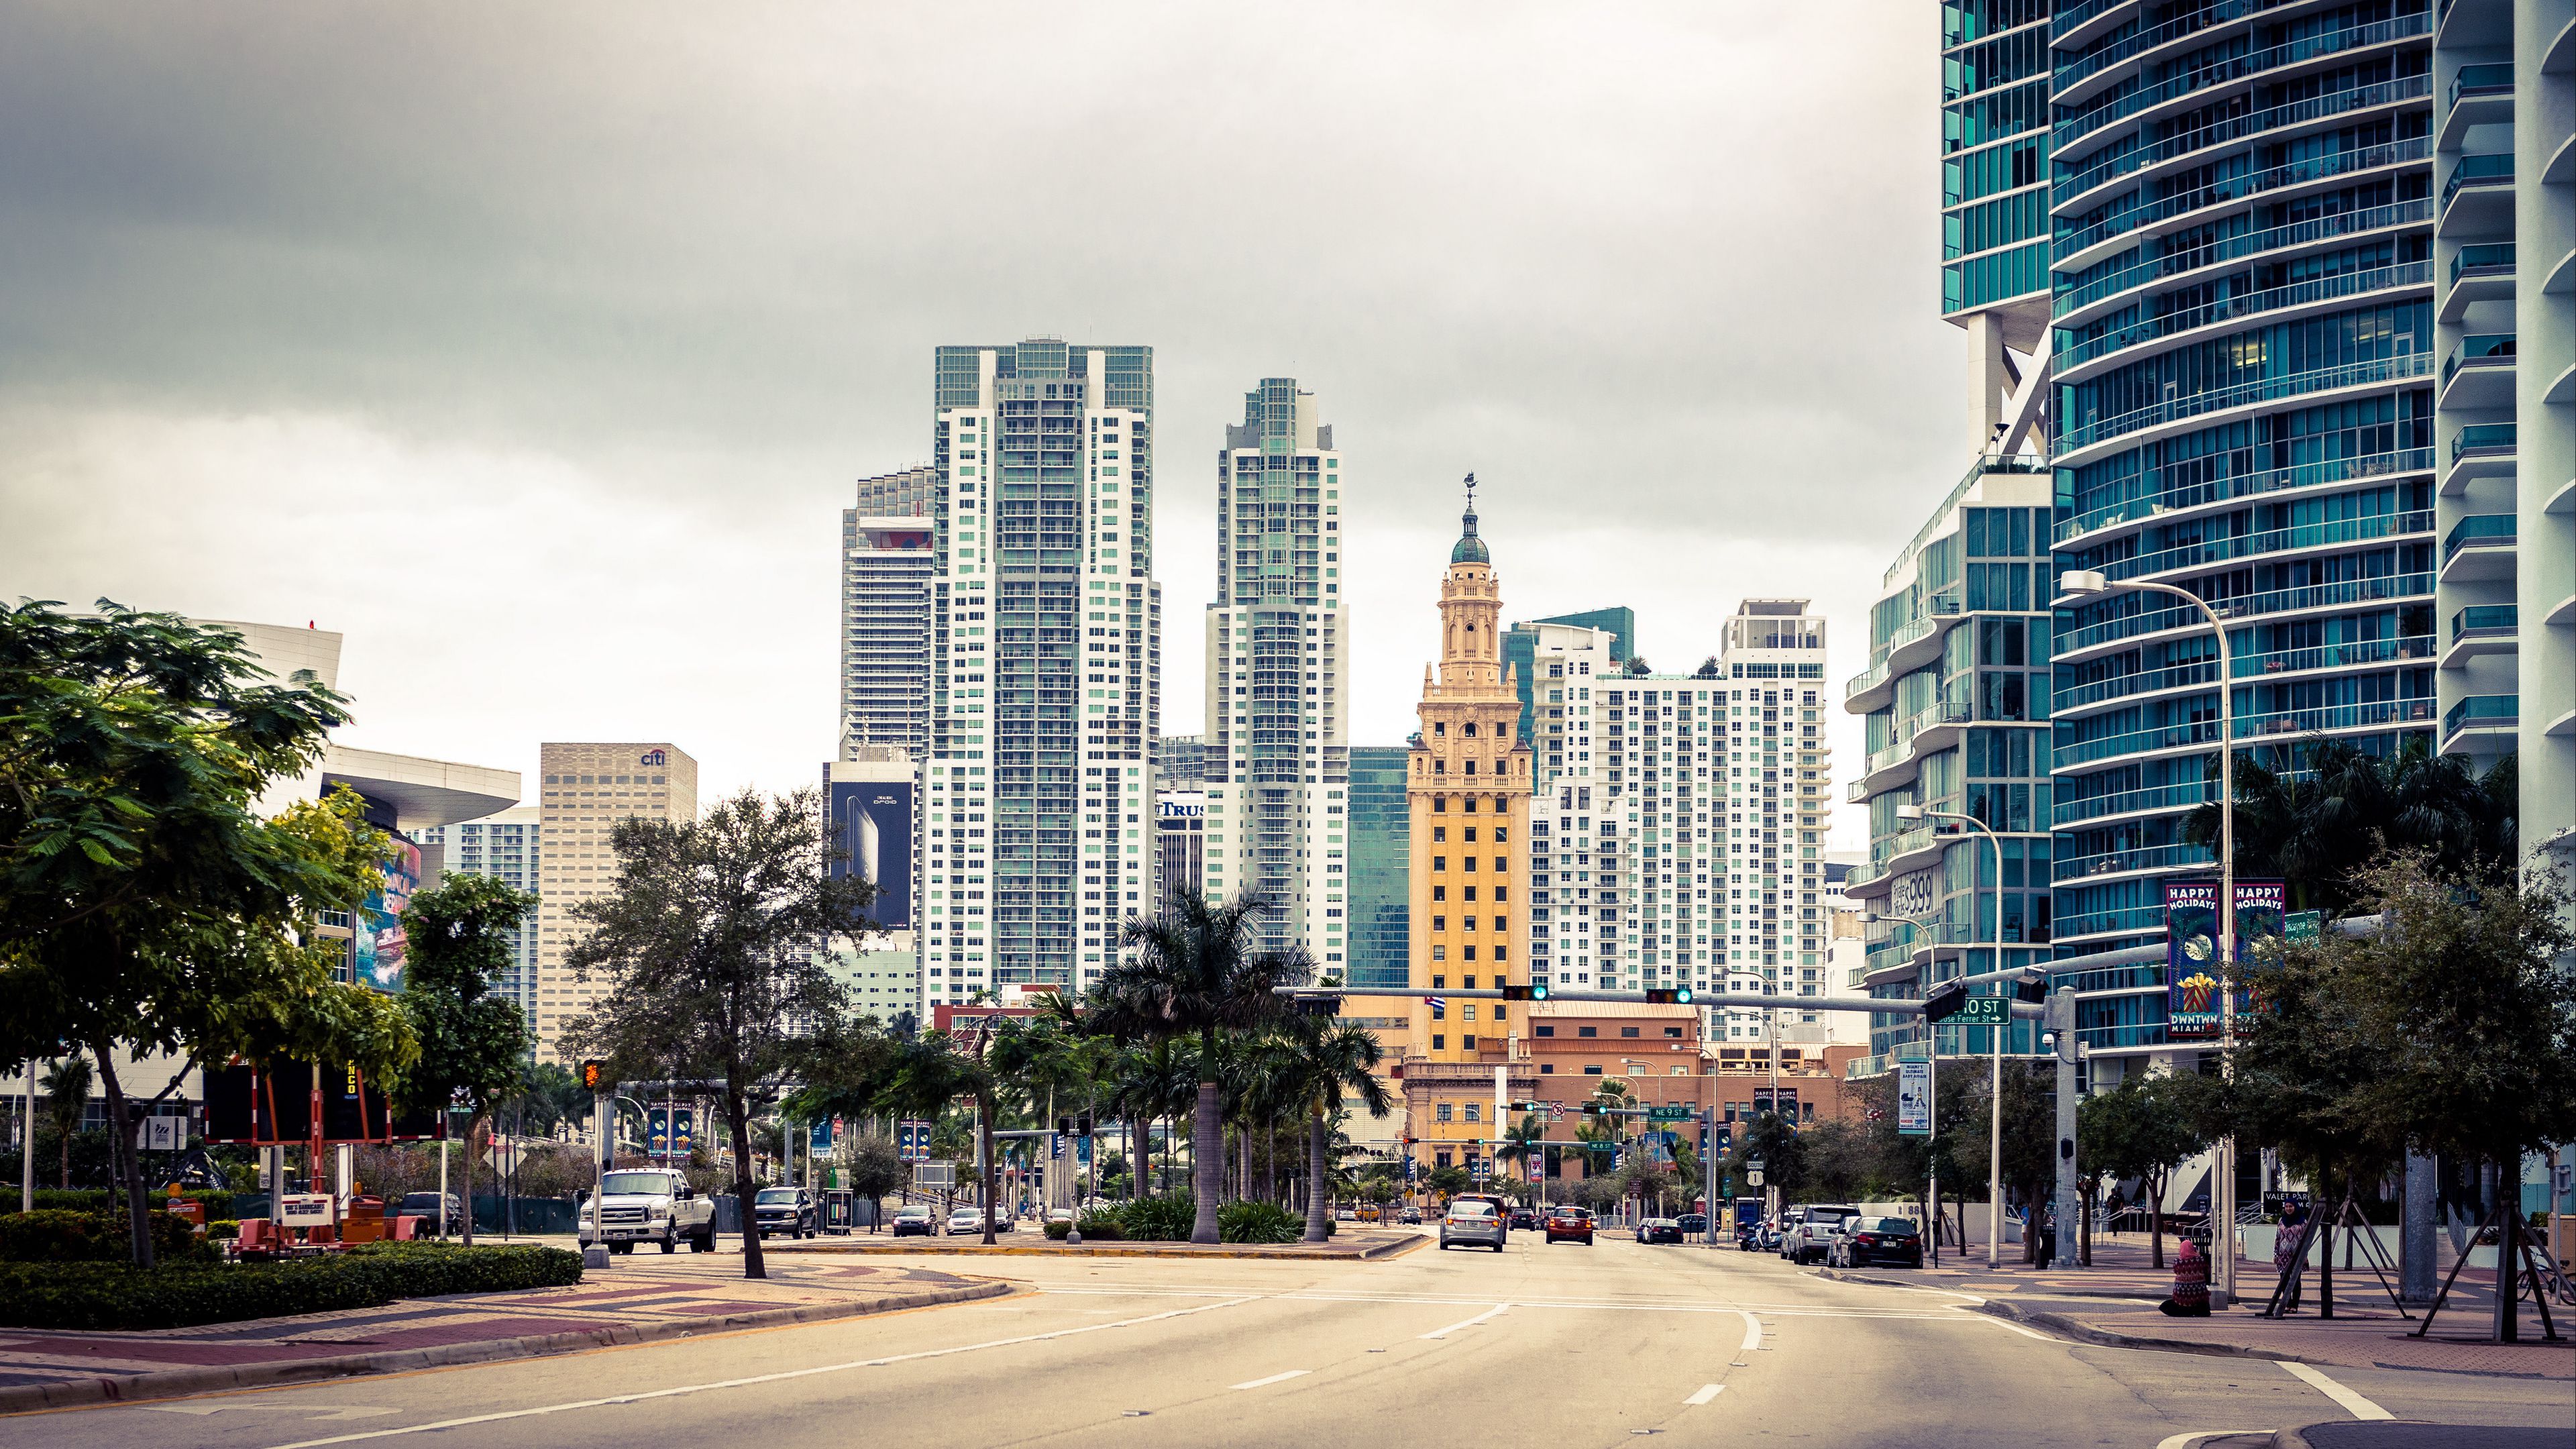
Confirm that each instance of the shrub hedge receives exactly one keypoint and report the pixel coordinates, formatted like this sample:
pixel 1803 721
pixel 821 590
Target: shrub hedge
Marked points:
pixel 119 1296
pixel 1249 1221
pixel 1165 1219
pixel 58 1235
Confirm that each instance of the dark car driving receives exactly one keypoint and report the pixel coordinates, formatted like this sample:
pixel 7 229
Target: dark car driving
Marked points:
pixel 784 1211
pixel 1659 1230
pixel 1694 1225
pixel 1863 1241
pixel 1524 1218
pixel 1569 1224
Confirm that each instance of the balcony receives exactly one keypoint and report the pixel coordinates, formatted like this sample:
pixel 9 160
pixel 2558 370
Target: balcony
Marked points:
pixel 2121 862
pixel 2246 606
pixel 2480 547
pixel 2182 407
pixel 2339 534
pixel 2296 234
pixel 1863 683
pixel 2353 654
pixel 2069 365
pixel 2063 137
pixel 2206 492
pixel 2479 372
pixel 2480 95
pixel 2482 629
pixel 2480 272
pixel 2133 802
pixel 2477 199
pixel 2066 251
pixel 2480 450
pixel 2485 716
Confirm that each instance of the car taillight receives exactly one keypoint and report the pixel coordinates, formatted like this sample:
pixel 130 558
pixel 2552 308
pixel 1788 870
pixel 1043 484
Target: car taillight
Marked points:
pixel 1864 1238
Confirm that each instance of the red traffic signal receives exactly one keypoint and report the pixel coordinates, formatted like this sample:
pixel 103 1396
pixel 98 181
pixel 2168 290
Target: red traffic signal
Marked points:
pixel 594 1076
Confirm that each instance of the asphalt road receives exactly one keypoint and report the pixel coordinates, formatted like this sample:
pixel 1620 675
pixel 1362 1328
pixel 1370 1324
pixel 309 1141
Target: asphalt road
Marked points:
pixel 1562 1346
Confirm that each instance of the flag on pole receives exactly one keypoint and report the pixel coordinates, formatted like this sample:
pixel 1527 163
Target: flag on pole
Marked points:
pixel 1436 1003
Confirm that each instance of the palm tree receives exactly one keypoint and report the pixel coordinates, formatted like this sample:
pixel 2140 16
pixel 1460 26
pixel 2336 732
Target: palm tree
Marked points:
pixel 1523 1143
pixel 2316 828
pixel 932 1071
pixel 1195 971
pixel 66 1105
pixel 1322 1060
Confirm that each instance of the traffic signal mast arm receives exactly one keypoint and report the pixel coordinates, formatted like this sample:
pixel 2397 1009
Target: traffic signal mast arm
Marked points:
pixel 1895 1006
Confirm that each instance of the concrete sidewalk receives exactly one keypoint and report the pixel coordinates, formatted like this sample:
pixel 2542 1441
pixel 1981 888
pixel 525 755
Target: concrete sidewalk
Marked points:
pixel 639 1299
pixel 1344 1247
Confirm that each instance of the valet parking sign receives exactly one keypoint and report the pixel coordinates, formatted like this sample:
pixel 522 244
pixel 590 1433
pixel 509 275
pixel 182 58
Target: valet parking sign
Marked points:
pixel 2192 1005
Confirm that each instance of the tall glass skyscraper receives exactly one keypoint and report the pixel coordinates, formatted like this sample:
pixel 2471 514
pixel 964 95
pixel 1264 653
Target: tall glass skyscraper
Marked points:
pixel 1381 851
pixel 1276 747
pixel 2242 203
pixel 1046 664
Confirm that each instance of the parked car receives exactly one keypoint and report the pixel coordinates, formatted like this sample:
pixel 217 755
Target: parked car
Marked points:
pixel 916 1221
pixel 1694 1226
pixel 1807 1241
pixel 1345 1215
pixel 426 1207
pixel 1524 1218
pixel 784 1212
pixel 1502 1207
pixel 1782 1224
pixel 1859 1242
pixel 1569 1224
pixel 1659 1230
pixel 970 1220
pixel 1473 1221
pixel 1369 1212
pixel 1412 1215
pixel 1059 1215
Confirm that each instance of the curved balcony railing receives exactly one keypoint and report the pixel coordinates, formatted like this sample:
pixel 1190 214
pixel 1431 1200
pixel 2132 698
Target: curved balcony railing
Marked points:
pixel 2271 239
pixel 2067 17
pixel 2486 621
pixel 2245 127
pixel 2245 485
pixel 2403 366
pixel 2482 349
pixel 2093 63
pixel 2482 80
pixel 2118 919
pixel 2356 654
pixel 2485 168
pixel 2374 714
pixel 2485 259
pixel 1868 679
pixel 2160 797
pixel 2300 294
pixel 2240 188
pixel 2486 438
pixel 2144 857
pixel 2251 606
pixel 2234 68
pixel 2482 711
pixel 2278 540
pixel 2480 530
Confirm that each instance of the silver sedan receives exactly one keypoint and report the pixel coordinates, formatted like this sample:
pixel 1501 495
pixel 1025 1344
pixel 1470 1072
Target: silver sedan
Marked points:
pixel 1472 1222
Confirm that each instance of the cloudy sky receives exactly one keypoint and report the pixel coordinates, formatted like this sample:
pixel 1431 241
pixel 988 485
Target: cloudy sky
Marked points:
pixel 534 347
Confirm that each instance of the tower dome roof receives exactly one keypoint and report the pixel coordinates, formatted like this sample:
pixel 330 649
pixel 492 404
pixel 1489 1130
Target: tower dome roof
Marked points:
pixel 1469 548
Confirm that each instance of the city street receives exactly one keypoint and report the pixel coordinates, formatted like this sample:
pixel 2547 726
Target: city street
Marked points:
pixel 1562 1346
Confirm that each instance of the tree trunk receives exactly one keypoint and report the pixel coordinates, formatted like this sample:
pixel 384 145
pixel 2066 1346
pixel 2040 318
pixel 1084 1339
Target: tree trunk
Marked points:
pixel 738 1122
pixel 1207 1149
pixel 984 1163
pixel 123 1170
pixel 2154 1184
pixel 1318 1225
pixel 2084 1239
pixel 472 1121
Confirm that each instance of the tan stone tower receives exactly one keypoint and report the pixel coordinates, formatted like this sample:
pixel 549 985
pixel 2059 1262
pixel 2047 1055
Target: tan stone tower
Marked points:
pixel 1469 790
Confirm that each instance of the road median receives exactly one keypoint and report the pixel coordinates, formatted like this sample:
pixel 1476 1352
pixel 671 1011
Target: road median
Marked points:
pixel 1340 1251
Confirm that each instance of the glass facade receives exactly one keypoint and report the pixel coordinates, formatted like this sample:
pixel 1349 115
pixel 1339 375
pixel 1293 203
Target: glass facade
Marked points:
pixel 1520 652
pixel 2244 363
pixel 1994 120
pixel 504 847
pixel 1381 847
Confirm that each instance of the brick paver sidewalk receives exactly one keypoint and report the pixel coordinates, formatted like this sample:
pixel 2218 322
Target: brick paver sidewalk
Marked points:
pixel 639 1297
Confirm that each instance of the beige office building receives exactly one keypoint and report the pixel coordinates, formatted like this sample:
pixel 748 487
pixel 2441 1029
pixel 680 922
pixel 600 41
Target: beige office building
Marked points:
pixel 586 789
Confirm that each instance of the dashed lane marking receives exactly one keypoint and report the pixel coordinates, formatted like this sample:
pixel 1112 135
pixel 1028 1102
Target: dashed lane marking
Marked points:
pixel 1439 1333
pixel 1273 1379
pixel 1706 1393
pixel 2353 1404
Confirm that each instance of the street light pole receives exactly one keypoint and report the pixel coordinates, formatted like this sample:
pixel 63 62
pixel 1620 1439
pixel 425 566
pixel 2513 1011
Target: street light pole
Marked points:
pixel 1995 1093
pixel 2222 1195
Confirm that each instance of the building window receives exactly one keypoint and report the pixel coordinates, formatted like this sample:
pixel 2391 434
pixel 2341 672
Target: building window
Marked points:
pixel 1587 1031
pixel 1591 1069
pixel 1440 1113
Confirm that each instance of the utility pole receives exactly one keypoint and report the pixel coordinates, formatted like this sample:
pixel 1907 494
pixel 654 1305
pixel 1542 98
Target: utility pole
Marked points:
pixel 2060 1022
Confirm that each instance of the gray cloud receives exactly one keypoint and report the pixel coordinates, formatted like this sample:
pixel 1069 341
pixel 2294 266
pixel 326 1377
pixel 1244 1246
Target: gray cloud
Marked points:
pixel 356 306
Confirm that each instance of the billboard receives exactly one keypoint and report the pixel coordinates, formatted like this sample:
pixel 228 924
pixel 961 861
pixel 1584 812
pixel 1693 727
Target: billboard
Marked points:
pixel 1914 1099
pixel 872 826
pixel 2193 1008
pixel 247 1105
pixel 378 946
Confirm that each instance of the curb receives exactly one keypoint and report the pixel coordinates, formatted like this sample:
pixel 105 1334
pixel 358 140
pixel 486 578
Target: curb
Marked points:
pixel 2104 1338
pixel 1371 1253
pixel 178 1383
pixel 2296 1436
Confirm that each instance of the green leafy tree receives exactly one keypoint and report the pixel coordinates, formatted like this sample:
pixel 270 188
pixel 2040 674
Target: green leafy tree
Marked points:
pixel 1194 971
pixel 144 903
pixel 931 1073
pixel 711 946
pixel 2029 1141
pixel 550 1098
pixel 473 1041
pixel 1776 1143
pixel 1841 1164
pixel 1523 1142
pixel 2145 1128
pixel 872 1166
pixel 1449 1181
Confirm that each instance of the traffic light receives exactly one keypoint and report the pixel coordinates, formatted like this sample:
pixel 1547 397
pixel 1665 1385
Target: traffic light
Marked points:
pixel 2033 989
pixel 1525 993
pixel 1082 1125
pixel 1668 995
pixel 594 1076
pixel 1319 1006
pixel 1943 1004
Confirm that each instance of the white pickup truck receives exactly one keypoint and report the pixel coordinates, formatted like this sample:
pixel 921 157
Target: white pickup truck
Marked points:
pixel 648 1205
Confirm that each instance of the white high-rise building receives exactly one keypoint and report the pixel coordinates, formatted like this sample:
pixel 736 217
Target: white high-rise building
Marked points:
pixel 1046 666
pixel 1571 665
pixel 887 564
pixel 1277 744
pixel 506 848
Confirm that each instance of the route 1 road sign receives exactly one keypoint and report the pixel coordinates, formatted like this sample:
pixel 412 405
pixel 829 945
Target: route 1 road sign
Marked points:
pixel 1984 1011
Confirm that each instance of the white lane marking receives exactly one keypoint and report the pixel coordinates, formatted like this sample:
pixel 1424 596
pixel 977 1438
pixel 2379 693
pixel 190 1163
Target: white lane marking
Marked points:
pixel 1706 1393
pixel 2353 1404
pixel 2017 1328
pixel 1752 1331
pixel 746 1382
pixel 2185 1441
pixel 1464 1322
pixel 1273 1379
pixel 318 1411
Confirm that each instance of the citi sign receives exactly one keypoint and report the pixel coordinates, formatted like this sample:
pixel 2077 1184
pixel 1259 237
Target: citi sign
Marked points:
pixel 651 757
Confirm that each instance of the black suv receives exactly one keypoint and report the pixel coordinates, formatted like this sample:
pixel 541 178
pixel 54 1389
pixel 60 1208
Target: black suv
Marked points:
pixel 786 1212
